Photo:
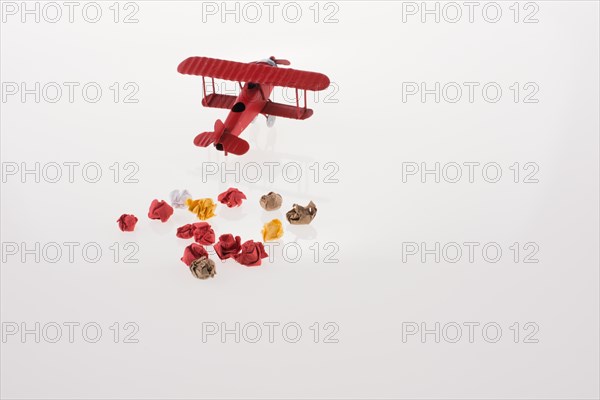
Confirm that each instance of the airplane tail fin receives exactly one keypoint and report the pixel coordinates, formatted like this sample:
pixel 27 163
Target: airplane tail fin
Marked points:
pixel 223 140
pixel 206 138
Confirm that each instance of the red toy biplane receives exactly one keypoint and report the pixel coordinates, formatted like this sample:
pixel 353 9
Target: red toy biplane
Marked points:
pixel 259 79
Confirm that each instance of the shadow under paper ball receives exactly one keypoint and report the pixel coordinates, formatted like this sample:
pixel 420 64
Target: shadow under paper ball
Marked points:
pixel 231 214
pixel 267 216
pixel 305 232
pixel 162 228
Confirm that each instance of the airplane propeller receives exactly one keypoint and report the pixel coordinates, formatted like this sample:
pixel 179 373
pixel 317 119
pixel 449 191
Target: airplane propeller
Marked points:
pixel 279 61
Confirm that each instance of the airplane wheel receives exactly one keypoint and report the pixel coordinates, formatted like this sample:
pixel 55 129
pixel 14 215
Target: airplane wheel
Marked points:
pixel 270 121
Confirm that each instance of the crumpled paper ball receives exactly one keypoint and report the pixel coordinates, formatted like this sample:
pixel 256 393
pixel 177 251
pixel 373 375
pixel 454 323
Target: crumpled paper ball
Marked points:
pixel 228 246
pixel 202 232
pixel 203 208
pixel 232 197
pixel 271 201
pixel 193 252
pixel 185 232
pixel 127 222
pixel 178 198
pixel 203 268
pixel 160 210
pixel 272 230
pixel 252 254
pixel 299 215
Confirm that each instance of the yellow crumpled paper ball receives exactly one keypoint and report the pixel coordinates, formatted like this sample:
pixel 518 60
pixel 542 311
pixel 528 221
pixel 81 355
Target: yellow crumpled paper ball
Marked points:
pixel 272 230
pixel 203 208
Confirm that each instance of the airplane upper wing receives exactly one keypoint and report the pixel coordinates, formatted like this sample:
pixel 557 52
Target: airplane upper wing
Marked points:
pixel 257 73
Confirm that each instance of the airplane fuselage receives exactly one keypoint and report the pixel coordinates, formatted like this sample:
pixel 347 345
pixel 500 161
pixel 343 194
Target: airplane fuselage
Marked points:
pixel 248 105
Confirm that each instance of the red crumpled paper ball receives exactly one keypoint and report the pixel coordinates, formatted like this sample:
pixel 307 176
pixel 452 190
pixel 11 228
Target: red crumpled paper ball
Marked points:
pixel 202 232
pixel 252 254
pixel 185 232
pixel 193 252
pixel 232 197
pixel 228 246
pixel 127 222
pixel 160 210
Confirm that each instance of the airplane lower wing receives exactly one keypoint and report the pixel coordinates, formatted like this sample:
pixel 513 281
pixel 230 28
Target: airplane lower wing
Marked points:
pixel 215 100
pixel 286 111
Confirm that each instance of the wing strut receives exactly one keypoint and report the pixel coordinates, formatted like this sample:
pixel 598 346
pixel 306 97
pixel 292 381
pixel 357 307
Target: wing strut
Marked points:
pixel 300 111
pixel 204 86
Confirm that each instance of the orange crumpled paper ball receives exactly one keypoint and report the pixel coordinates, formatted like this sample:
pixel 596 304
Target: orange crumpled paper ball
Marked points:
pixel 160 210
pixel 203 208
pixel 272 230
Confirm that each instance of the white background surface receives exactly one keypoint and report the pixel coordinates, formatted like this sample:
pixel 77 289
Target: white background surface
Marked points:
pixel 369 133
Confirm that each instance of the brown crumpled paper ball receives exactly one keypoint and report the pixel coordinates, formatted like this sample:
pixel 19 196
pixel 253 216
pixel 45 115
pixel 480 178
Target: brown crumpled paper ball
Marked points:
pixel 271 201
pixel 203 268
pixel 299 215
